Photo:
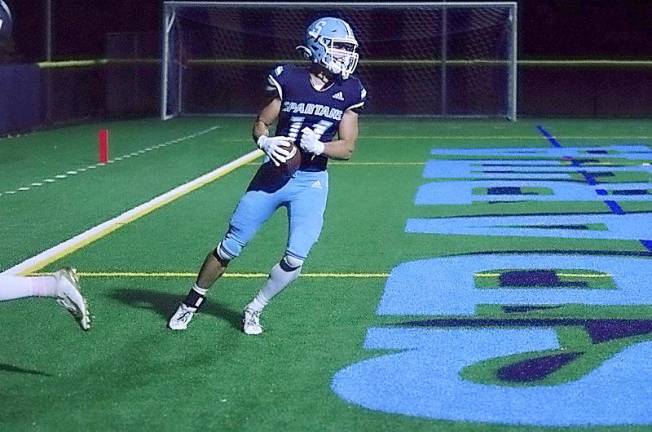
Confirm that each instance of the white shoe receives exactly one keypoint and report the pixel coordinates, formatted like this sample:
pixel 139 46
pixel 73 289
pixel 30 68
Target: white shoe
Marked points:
pixel 181 317
pixel 251 322
pixel 69 296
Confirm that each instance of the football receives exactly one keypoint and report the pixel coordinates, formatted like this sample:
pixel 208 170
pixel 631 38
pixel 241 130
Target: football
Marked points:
pixel 294 161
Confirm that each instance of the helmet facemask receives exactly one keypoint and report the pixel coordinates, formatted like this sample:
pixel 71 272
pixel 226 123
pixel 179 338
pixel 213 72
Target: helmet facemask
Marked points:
pixel 341 57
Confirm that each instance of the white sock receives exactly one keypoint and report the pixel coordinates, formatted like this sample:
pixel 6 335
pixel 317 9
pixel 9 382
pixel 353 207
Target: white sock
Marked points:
pixel 195 297
pixel 13 287
pixel 201 291
pixel 278 279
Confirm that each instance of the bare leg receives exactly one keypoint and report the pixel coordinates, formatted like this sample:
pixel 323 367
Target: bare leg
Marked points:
pixel 210 271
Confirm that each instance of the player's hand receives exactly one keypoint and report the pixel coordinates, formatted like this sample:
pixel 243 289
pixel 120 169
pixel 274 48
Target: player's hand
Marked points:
pixel 310 141
pixel 277 148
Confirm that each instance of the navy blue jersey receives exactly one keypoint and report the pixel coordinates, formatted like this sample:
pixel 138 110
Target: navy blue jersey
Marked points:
pixel 303 106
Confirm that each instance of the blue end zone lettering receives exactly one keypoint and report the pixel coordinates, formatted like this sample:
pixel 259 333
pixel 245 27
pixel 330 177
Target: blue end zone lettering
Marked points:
pixel 461 192
pixel 618 227
pixel 634 151
pixel 445 286
pixel 423 380
pixel 495 169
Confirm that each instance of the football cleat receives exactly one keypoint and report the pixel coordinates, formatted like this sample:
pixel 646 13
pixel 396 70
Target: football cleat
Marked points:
pixel 251 322
pixel 69 296
pixel 182 317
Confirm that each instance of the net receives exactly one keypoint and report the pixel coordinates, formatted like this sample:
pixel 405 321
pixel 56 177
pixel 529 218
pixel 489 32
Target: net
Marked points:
pixel 425 59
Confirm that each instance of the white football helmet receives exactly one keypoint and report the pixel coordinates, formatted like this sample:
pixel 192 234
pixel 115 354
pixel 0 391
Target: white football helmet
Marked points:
pixel 330 43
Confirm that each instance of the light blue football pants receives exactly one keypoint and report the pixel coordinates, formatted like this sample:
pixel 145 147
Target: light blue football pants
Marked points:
pixel 304 195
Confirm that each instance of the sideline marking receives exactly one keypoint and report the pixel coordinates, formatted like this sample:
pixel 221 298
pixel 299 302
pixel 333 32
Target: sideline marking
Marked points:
pixel 119 158
pixel 590 179
pixel 647 244
pixel 553 141
pixel 46 257
pixel 614 207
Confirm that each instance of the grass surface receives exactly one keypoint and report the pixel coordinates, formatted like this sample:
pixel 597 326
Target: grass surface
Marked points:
pixel 130 373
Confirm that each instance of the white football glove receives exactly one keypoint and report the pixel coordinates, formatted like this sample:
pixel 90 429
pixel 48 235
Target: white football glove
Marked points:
pixel 310 141
pixel 277 148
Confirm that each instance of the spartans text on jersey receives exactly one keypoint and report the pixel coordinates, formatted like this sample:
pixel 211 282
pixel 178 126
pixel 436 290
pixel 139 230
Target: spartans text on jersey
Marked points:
pixel 312 109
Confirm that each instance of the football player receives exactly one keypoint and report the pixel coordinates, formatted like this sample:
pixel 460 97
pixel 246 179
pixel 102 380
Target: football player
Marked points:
pixel 63 285
pixel 311 105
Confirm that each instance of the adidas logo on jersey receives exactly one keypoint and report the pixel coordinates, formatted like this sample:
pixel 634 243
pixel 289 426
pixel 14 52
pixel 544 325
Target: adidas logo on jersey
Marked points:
pixel 339 96
pixel 316 184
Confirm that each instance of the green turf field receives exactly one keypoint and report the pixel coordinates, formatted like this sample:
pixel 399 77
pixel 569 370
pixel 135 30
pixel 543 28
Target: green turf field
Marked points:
pixel 131 373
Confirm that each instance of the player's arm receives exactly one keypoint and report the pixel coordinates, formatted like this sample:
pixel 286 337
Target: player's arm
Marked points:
pixel 266 118
pixel 277 148
pixel 343 147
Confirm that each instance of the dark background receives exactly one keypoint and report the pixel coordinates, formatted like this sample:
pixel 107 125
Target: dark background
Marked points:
pixel 548 29
pixel 44 95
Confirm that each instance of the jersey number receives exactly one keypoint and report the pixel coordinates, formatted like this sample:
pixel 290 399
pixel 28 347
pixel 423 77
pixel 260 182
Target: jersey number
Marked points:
pixel 296 124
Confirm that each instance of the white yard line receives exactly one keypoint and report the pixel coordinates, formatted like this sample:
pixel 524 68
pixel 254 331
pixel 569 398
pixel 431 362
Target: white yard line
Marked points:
pixel 110 161
pixel 48 256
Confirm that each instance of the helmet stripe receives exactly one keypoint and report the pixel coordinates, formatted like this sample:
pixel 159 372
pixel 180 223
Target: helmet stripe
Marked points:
pixel 349 31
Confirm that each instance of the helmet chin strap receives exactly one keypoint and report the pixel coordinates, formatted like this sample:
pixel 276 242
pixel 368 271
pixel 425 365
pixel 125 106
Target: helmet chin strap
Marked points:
pixel 317 69
pixel 340 72
pixel 322 74
pixel 339 66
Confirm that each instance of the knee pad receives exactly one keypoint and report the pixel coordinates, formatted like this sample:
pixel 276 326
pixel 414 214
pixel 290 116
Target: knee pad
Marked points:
pixel 230 247
pixel 290 263
pixel 220 256
pixel 227 250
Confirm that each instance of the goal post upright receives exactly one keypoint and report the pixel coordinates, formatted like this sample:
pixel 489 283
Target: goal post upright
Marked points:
pixel 513 79
pixel 168 21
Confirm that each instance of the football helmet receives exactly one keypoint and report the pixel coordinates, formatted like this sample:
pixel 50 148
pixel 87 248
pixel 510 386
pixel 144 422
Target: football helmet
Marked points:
pixel 331 44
